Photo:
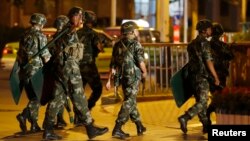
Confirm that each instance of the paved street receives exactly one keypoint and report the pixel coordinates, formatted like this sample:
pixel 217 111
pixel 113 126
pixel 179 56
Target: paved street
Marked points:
pixel 160 118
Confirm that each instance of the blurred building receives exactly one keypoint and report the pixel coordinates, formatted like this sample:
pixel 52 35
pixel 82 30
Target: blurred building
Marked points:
pixel 230 13
pixel 17 12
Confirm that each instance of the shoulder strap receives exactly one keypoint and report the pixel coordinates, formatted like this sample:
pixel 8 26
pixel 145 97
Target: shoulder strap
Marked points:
pixel 128 50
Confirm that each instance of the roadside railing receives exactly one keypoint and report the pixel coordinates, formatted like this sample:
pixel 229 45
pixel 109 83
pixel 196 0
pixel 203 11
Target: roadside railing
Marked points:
pixel 165 59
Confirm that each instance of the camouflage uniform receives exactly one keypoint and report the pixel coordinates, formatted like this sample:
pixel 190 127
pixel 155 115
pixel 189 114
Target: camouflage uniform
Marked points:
pixel 70 52
pixel 199 52
pixel 59 23
pixel 222 55
pixel 32 41
pixel 50 74
pixel 126 57
pixel 69 73
pixel 88 67
pixel 130 75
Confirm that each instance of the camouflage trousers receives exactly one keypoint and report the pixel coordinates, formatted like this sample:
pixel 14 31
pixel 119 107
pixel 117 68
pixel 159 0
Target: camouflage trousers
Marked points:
pixel 129 104
pixel 32 108
pixel 201 97
pixel 75 92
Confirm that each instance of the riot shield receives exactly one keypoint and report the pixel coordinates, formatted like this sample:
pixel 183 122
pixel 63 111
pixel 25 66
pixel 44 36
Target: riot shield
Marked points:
pixel 181 86
pixel 37 81
pixel 15 85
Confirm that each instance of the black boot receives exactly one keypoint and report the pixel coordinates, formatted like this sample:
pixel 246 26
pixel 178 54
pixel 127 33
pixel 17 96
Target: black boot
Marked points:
pixel 34 127
pixel 93 131
pixel 205 125
pixel 50 135
pixel 183 121
pixel 78 121
pixel 22 123
pixel 60 121
pixel 22 119
pixel 140 128
pixel 118 133
pixel 211 108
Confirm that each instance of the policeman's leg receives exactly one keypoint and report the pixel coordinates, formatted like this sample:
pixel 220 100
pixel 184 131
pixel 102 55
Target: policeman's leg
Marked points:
pixel 48 124
pixel 135 117
pixel 86 119
pixel 80 102
pixel 21 117
pixel 77 118
pixel 49 133
pixel 122 118
pixel 204 120
pixel 203 117
pixel 134 113
pixel 211 108
pixel 96 86
pixel 51 112
pixel 33 108
pixel 91 76
pixel 117 131
pixel 189 114
pixel 60 121
pixel 22 120
pixel 203 108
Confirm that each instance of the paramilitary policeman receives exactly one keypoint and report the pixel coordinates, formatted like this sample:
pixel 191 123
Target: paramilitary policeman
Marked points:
pixel 31 43
pixel 222 55
pixel 59 24
pixel 92 46
pixel 200 66
pixel 128 62
pixel 68 70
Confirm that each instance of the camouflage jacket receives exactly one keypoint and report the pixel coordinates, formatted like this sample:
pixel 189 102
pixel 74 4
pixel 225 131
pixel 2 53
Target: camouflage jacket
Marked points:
pixel 90 39
pixel 68 51
pixel 32 42
pixel 199 51
pixel 126 57
pixel 68 48
pixel 222 55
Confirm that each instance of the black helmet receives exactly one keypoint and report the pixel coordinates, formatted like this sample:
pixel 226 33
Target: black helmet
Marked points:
pixel 89 17
pixel 128 27
pixel 203 25
pixel 38 18
pixel 74 11
pixel 217 29
pixel 60 21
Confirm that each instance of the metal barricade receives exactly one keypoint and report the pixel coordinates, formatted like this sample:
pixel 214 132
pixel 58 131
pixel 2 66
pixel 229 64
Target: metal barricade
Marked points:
pixel 164 59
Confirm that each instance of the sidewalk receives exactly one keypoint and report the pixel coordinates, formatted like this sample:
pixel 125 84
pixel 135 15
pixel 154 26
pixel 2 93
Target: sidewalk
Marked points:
pixel 158 116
